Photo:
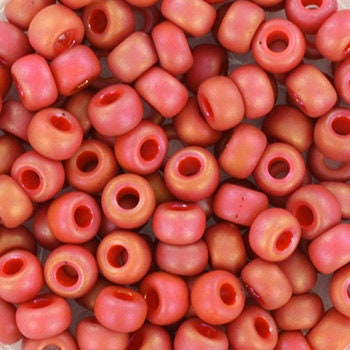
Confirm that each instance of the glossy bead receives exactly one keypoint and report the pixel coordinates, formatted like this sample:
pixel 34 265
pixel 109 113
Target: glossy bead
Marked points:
pixel 143 149
pixel 128 200
pixel 341 192
pixel 70 271
pixel 61 131
pixel 65 341
pixel 162 91
pixel 280 170
pixel 192 173
pixel 216 97
pixel 40 177
pixel 172 47
pixel 266 283
pixel 239 25
pixel 178 223
pixel 242 151
pixel 37 318
pixel 332 42
pixel 195 17
pixel 107 23
pixel 310 90
pixel 10 148
pixel 136 53
pixel 91 166
pixel 316 208
pixel 301 312
pixel 115 109
pixel 278 45
pixel 54 29
pixel 124 257
pixel 274 234
pixel 254 329
pixel 74 217
pixel 217 297
pixel 70 80
pixel 290 340
pixel 339 290
pixel 290 125
pixel 238 204
pixel 9 332
pixel 90 334
pixel 330 250
pixel 127 309
pixel 34 82
pixel 15 207
pixel 167 297
pixel 193 332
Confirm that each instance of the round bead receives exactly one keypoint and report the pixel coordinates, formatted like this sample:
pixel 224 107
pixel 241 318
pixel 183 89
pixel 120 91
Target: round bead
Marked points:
pixel 341 192
pixel 339 290
pixel 10 149
pixel 9 332
pixel 289 340
pixel 341 80
pixel 64 341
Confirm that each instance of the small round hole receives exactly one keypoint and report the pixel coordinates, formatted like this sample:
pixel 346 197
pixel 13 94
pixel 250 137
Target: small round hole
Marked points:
pixel 12 266
pixel 206 107
pixel 40 302
pixel 311 4
pixel 83 216
pixel 124 295
pixel 52 347
pixel 348 290
pixel 128 198
pixel 207 330
pixel 341 125
pixel 65 41
pixel 60 123
pixel 98 21
pixel 189 166
pixel 30 179
pixel 179 206
pixel 149 150
pixel 278 168
pixel 277 41
pixel 152 299
pixel 262 327
pixel 304 215
pixel 67 276
pixel 109 97
pixel 228 294
pixel 284 240
pixel 117 256
pixel 87 161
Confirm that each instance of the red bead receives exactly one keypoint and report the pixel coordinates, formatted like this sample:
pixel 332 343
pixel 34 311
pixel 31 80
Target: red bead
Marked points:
pixel 5 80
pixel 341 80
pixel 74 4
pixel 10 148
pixel 339 290
pixel 290 340
pixel 9 332
pixel 64 341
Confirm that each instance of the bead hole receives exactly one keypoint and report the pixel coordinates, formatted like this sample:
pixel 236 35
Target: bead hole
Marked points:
pixel 149 150
pixel 87 161
pixel 205 106
pixel 117 256
pixel 278 168
pixel 277 41
pixel 12 266
pixel 52 347
pixel 124 295
pixel 135 342
pixel 67 276
pixel 207 330
pixel 152 299
pixel 189 166
pixel 60 123
pixel 341 125
pixel 30 179
pixel 262 326
pixel 311 4
pixel 65 41
pixel 227 294
pixel 41 302
pixel 98 21
pixel 109 97
pixel 83 216
pixel 284 240
pixel 128 198
pixel 304 215
pixel 179 206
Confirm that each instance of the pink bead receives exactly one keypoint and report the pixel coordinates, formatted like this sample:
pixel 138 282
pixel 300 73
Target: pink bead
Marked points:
pixel 278 45
pixel 280 170
pixel 40 177
pixel 330 250
pixel 115 109
pixel 128 201
pixel 5 81
pixel 192 173
pixel 21 276
pixel 143 149
pixel 193 333
pixel 54 29
pixel 124 257
pixel 195 17
pixel 69 80
pixel 172 47
pixel 239 25
pixel 339 290
pixel 216 97
pixel 11 148
pixel 341 192
pixel 34 81
pixel 341 80
pixel 136 53
pixel 254 329
pixel 167 297
pixel 70 271
pixel 120 309
pixel 238 204
pixel 162 91
pixel 9 332
pixel 178 223
pixel 64 341
pixel 290 340
pixel 107 23
pixel 316 208
pixel 74 217
pixel 74 4
pixel 242 150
